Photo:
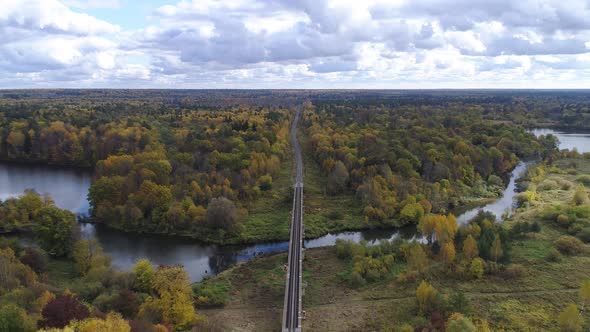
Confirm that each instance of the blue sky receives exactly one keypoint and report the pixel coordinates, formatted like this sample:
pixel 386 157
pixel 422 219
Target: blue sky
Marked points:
pixel 295 44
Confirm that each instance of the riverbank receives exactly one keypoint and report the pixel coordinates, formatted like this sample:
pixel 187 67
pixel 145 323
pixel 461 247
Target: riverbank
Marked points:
pixel 531 298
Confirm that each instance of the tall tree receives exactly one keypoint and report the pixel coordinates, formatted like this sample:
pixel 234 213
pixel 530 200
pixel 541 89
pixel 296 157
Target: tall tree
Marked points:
pixel 55 229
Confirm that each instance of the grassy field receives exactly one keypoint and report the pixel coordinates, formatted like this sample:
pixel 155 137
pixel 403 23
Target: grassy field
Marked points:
pixel 269 216
pixel 527 301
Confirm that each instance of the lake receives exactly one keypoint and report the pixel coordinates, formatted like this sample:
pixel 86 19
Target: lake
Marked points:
pixel 567 139
pixel 69 188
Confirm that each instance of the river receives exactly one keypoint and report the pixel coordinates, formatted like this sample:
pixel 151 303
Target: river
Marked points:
pixel 69 188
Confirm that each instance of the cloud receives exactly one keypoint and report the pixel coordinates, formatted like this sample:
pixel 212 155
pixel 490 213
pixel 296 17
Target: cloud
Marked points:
pixel 307 43
pixel 50 16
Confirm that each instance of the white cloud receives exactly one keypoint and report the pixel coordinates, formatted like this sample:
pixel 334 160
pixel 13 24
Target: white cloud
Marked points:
pixel 307 43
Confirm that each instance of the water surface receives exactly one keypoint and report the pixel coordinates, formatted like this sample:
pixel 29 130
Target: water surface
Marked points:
pixel 67 186
pixel 567 139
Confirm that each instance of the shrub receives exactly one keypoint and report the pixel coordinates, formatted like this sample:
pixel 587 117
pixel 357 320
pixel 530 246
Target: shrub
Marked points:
pixel 462 324
pixel 549 184
pixel 477 268
pixel 527 197
pixel 563 220
pixel 13 319
pixel 265 182
pixel 211 292
pixel 580 196
pixel 569 245
pixel 584 235
pixel 553 256
pixel 514 271
pixel 584 179
pixel 61 310
pixel 35 259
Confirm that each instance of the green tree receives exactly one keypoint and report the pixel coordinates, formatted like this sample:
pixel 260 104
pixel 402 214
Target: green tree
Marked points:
pixel 15 319
pixel 222 213
pixel 265 182
pixel 88 254
pixel 477 268
pixel 55 229
pixel 143 276
pixel 338 179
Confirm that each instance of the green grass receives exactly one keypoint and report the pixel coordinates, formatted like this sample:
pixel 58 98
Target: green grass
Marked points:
pixel 212 292
pixel 269 216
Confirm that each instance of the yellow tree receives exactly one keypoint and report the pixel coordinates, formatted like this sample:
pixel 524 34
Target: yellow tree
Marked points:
pixel 585 293
pixel 446 227
pixel 112 323
pixel 496 251
pixel 448 253
pixel 570 319
pixel 416 258
pixel 470 250
pixel 427 296
pixel 172 285
pixel 427 225
pixel 143 276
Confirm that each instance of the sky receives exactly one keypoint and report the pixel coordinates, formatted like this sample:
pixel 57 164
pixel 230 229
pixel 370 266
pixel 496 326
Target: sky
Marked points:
pixel 326 44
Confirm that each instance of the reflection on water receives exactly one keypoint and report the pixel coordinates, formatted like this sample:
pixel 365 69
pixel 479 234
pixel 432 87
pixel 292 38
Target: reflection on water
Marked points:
pixel 504 204
pixel 567 139
pixel 67 186
pixel 202 259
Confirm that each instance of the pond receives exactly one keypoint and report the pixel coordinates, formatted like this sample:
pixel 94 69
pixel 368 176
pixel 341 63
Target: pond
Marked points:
pixel 69 188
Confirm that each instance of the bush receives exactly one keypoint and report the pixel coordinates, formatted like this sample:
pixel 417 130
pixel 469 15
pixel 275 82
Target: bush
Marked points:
pixel 477 268
pixel 580 196
pixel 13 318
pixel 61 310
pixel 265 182
pixel 569 245
pixel 563 220
pixel 549 184
pixel 211 293
pixel 514 271
pixel 35 259
pixel 553 256
pixel 584 179
pixel 584 235
pixel 527 197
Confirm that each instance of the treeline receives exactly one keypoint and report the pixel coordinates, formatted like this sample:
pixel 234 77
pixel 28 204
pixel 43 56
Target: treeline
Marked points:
pixel 403 163
pixel 68 283
pixel 162 170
